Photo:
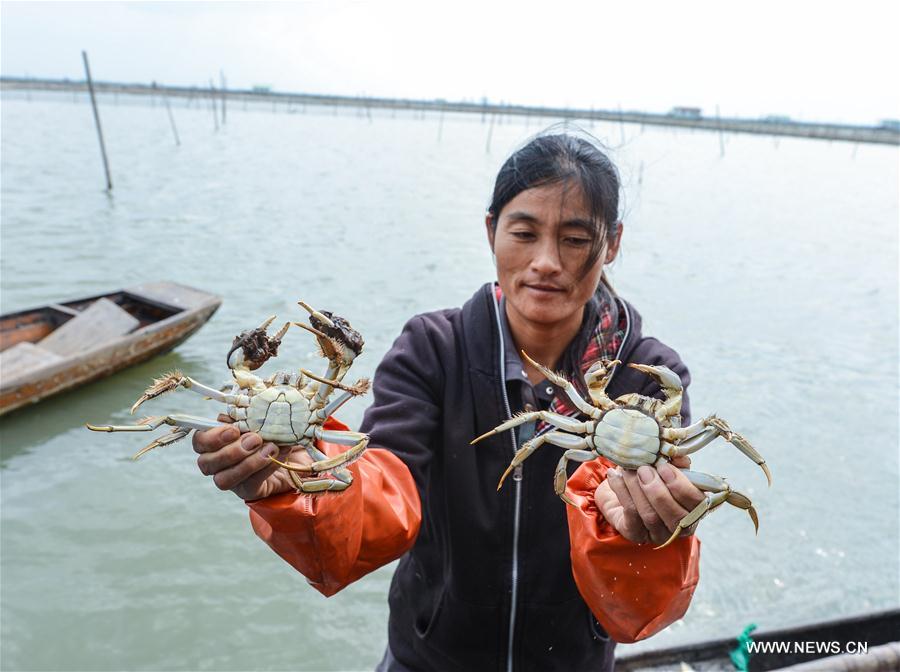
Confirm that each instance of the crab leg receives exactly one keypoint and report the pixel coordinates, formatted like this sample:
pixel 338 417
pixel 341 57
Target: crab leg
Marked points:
pixel 339 473
pixel 561 475
pixel 554 438
pixel 569 389
pixel 355 439
pixel 328 386
pixel 562 421
pixel 718 427
pixel 317 484
pixel 361 386
pixel 741 444
pixel 151 423
pixel 682 433
pixel 184 425
pixel 691 445
pixel 323 413
pixel 176 434
pixel 330 381
pixel 717 493
pixel 175 379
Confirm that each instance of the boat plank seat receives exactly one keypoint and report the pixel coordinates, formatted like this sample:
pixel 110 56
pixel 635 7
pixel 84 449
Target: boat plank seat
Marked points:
pixel 170 294
pixel 24 357
pixel 64 309
pixel 100 322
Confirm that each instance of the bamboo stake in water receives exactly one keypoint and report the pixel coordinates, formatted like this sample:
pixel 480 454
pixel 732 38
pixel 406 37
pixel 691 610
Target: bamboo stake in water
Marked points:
pixel 487 146
pixel 90 83
pixel 172 121
pixel 212 100
pixel 721 137
pixel 621 123
pixel 224 89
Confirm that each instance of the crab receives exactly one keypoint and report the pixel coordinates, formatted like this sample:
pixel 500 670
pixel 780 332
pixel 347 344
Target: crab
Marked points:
pixel 285 409
pixel 631 431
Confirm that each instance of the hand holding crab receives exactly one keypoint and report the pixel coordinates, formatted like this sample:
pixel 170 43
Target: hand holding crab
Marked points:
pixel 284 409
pixel 633 431
pixel 646 505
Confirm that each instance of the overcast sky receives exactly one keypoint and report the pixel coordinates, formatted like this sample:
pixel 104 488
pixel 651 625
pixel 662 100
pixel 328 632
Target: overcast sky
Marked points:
pixel 827 60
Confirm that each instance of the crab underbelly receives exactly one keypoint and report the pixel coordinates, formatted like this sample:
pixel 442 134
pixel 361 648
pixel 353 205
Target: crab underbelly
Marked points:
pixel 278 416
pixel 628 437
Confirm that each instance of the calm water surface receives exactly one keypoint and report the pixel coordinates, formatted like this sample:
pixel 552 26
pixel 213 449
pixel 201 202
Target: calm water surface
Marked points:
pixel 771 269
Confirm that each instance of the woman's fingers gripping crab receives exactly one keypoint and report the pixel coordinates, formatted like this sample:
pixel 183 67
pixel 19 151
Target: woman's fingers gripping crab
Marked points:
pixel 617 506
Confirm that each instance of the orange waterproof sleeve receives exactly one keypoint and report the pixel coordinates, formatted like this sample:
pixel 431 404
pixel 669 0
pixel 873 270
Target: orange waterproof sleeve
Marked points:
pixel 633 590
pixel 335 538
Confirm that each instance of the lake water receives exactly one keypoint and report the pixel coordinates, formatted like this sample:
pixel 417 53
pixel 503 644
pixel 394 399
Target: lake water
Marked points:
pixel 772 269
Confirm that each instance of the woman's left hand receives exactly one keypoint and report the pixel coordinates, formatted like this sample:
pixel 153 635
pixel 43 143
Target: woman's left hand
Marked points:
pixel 646 504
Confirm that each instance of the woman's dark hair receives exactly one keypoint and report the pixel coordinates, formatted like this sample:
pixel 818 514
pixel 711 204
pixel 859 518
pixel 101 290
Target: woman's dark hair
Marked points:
pixel 559 156
pixel 564 158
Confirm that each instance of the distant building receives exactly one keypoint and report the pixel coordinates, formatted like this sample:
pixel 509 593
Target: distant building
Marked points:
pixel 686 112
pixel 890 124
pixel 262 88
pixel 777 119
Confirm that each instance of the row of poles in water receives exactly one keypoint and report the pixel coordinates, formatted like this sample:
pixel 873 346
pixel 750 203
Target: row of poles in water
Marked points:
pixel 218 97
pixel 219 112
pixel 90 85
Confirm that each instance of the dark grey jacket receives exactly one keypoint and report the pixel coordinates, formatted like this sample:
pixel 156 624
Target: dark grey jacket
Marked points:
pixel 488 584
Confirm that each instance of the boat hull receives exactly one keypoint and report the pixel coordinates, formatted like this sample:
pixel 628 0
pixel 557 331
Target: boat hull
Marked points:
pixel 194 309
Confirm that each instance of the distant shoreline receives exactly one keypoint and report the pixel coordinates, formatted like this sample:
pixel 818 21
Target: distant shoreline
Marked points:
pixel 888 133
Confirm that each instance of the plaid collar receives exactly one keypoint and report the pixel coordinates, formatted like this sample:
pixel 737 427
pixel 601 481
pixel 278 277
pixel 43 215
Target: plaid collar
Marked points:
pixel 605 343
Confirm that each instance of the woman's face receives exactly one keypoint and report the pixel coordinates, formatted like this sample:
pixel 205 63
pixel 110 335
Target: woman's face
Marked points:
pixel 541 242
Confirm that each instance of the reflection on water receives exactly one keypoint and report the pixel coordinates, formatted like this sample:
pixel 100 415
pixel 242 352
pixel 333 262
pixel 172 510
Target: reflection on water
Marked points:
pixel 38 423
pixel 772 270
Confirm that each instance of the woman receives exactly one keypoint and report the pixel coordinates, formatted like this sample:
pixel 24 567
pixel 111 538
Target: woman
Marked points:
pixel 513 579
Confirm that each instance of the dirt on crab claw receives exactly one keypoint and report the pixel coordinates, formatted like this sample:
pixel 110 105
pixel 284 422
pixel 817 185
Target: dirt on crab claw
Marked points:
pixel 258 347
pixel 341 332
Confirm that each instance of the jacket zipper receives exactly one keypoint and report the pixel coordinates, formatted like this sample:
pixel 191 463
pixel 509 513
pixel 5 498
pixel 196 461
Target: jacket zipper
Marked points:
pixel 517 478
pixel 517 474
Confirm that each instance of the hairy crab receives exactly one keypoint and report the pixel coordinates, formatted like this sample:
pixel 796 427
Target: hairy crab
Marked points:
pixel 631 431
pixel 286 408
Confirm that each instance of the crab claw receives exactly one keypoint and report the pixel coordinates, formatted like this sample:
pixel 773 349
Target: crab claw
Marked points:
pixel 315 332
pixel 666 378
pixel 316 314
pixel 340 342
pixel 253 348
pixel 281 332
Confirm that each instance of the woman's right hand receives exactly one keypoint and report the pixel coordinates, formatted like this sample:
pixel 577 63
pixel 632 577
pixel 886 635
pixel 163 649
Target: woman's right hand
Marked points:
pixel 646 505
pixel 240 462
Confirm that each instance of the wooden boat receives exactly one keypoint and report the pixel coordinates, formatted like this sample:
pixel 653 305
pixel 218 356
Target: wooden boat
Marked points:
pixel 868 642
pixel 62 345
